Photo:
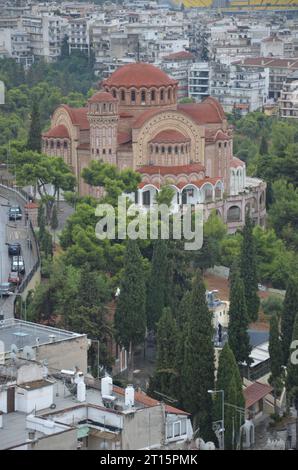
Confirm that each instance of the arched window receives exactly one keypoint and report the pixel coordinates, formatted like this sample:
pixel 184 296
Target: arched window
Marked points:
pixel 156 149
pixel 58 144
pixel 114 93
pixel 143 97
pixel 169 149
pixel 161 95
pixel 162 150
pixel 234 214
pixel 182 148
pixel 152 95
pixel 122 95
pixel 176 149
pixel 104 106
pixel 47 143
pixel 110 107
pixel 103 151
pixel 133 96
pixel 169 94
pixel 52 144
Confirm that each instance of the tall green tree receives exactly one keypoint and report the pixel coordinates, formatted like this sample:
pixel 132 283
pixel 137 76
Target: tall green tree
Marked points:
pixel 290 310
pixel 198 364
pixel 276 356
pixel 292 376
pixel 229 380
pixel 54 220
pixel 165 375
pixel 248 270
pixel 157 283
pixel 34 137
pixel 238 322
pixel 130 316
pixel 263 146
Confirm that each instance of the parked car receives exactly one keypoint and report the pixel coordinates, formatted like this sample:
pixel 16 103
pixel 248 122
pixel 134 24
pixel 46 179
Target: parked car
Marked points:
pixel 17 264
pixel 15 278
pixel 15 213
pixel 14 249
pixel 6 289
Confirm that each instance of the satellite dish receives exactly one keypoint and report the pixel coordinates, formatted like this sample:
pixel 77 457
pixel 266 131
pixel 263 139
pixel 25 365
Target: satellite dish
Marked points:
pixel 29 353
pixel 14 350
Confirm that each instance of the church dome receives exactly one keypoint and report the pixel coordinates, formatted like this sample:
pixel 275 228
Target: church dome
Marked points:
pixel 139 75
pixel 101 96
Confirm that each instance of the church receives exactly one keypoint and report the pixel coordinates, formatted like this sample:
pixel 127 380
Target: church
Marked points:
pixel 135 121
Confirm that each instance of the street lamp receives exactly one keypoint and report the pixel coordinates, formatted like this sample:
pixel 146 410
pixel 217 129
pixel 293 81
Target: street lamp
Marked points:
pixel 223 414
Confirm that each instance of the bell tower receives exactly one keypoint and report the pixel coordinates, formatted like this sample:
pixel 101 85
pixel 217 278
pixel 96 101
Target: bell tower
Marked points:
pixel 103 118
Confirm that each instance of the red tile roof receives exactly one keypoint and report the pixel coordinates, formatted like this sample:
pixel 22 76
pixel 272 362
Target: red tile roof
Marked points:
pixel 123 138
pixel 183 184
pixel 209 111
pixel 212 135
pixel 147 401
pixel 268 62
pixel 171 170
pixel 58 132
pixel 236 162
pixel 102 96
pixel 169 136
pixel 138 75
pixel 255 392
pixel 78 116
pixel 181 55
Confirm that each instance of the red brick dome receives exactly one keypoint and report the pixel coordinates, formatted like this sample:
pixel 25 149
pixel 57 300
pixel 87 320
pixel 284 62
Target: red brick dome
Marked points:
pixel 138 75
pixel 101 96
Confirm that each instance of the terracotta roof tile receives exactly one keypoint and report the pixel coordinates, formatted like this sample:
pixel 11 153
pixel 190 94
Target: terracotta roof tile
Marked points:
pixel 181 55
pixel 58 132
pixel 171 170
pixel 147 401
pixel 255 392
pixel 101 96
pixel 123 138
pixel 138 75
pixel 169 136
pixel 78 116
pixel 209 111
pixel 236 162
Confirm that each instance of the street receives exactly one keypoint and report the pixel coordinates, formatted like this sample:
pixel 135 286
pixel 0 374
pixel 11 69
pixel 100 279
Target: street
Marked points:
pixel 11 231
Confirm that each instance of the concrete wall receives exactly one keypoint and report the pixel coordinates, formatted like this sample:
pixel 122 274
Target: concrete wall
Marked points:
pixel 65 354
pixel 66 440
pixel 37 399
pixel 29 373
pixel 143 429
pixel 3 401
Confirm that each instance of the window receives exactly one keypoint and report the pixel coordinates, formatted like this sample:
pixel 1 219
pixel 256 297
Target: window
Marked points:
pixel 58 144
pixel 97 151
pixel 52 144
pixel 143 97
pixel 152 95
pixel 161 95
pixel 114 93
pixel 169 93
pixel 183 426
pixel 103 151
pixel 146 198
pixel 162 150
pixel 104 106
pixel 176 149
pixel 219 144
pixel 133 96
pixel 169 149
pixel 122 95
pixel 169 430
pixel 110 151
pixel 177 429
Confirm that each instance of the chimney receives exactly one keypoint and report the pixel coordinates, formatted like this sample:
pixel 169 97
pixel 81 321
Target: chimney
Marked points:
pixel 129 396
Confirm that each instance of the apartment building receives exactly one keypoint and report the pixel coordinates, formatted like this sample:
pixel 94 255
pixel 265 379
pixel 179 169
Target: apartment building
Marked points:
pixel 239 89
pixel 199 81
pixel 288 101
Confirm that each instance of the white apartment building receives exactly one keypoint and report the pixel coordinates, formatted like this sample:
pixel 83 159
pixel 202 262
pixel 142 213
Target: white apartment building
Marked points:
pixel 79 35
pixel 288 101
pixel 16 44
pixel 239 89
pixel 199 80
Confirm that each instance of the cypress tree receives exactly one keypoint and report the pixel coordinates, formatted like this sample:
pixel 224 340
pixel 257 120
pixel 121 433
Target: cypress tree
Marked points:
pixel 157 285
pixel 290 309
pixel 130 315
pixel 263 146
pixel 165 374
pixel 54 220
pixel 34 137
pixel 248 270
pixel 198 364
pixel 64 48
pixel 238 322
pixel 292 376
pixel 275 349
pixel 229 380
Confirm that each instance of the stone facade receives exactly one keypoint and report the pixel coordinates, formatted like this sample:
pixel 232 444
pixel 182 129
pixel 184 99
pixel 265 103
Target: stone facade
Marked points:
pixel 134 121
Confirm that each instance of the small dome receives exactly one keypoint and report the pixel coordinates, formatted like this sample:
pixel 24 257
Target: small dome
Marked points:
pixel 139 75
pixel 101 97
pixel 169 136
